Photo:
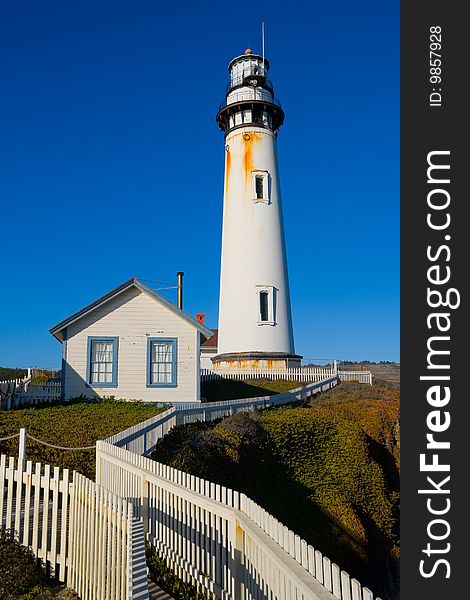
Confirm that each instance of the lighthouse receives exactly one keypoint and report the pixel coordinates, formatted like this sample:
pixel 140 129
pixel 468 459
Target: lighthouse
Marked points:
pixel 255 322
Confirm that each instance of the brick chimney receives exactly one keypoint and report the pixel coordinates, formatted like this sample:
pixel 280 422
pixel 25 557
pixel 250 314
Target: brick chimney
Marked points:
pixel 200 317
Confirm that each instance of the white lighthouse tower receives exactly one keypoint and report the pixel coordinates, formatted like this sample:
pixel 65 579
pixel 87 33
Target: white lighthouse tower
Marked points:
pixel 255 323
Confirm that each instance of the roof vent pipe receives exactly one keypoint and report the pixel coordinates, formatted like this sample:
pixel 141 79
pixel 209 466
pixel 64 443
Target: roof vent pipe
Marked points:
pixel 180 275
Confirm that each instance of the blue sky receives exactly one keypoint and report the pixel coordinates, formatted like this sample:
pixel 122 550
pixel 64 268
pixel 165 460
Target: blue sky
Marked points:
pixel 111 163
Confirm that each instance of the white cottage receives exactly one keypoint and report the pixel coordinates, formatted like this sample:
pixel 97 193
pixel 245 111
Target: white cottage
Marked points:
pixel 131 343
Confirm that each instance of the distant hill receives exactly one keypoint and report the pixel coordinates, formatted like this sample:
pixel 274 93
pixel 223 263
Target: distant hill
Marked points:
pixel 8 373
pixel 388 372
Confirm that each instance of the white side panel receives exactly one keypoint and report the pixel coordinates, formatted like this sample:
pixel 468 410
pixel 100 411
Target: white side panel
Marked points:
pixel 206 362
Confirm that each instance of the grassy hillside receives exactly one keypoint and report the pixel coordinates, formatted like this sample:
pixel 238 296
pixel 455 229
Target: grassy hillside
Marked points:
pixel 71 424
pixel 384 372
pixel 328 470
pixel 376 409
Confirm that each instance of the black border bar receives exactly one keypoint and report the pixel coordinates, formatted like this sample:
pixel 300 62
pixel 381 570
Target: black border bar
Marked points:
pixel 435 255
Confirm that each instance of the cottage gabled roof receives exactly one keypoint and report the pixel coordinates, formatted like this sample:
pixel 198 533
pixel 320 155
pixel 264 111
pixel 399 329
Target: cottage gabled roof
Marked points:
pixel 57 330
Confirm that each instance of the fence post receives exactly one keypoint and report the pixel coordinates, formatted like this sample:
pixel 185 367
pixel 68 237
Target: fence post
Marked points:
pixel 8 395
pixel 98 463
pixel 22 445
pixel 237 559
pixel 145 503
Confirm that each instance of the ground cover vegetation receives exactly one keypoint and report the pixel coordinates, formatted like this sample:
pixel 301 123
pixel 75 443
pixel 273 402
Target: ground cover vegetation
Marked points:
pixel 329 470
pixel 21 577
pixel 382 372
pixel 230 389
pixel 75 423
pixel 39 380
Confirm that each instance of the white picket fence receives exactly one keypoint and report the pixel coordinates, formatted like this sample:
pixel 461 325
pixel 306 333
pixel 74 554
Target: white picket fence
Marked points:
pixel 218 539
pixel 305 374
pixel 214 537
pixel 92 535
pixel 21 383
pixel 83 533
pixel 14 382
pixel 30 508
pixel 358 376
pixel 8 390
pixel 38 393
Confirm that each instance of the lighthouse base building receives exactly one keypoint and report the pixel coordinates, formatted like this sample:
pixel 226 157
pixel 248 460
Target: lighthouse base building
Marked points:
pixel 256 360
pixel 255 323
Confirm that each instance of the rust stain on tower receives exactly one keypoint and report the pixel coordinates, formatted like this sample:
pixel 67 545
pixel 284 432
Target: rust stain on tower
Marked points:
pixel 228 168
pixel 249 139
pixel 247 161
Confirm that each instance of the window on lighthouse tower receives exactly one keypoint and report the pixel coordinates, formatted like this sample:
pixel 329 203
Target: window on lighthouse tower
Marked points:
pixel 266 304
pixel 260 186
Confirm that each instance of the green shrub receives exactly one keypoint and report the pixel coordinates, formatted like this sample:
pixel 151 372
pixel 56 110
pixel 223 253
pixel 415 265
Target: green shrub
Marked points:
pixel 21 577
pixel 19 573
pixel 328 471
